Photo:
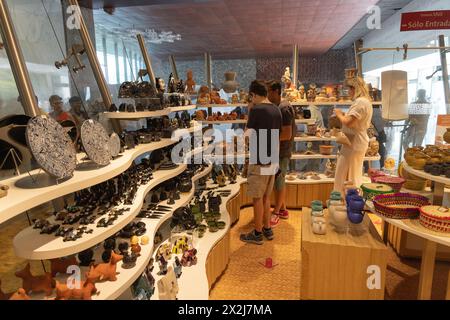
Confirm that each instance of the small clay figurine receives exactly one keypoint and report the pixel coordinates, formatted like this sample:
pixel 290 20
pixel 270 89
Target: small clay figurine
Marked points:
pixel 162 266
pixel 106 271
pixel 85 257
pixel 204 96
pixel 172 88
pixel 190 83
pixel 19 295
pixel 177 268
pixel 82 291
pixel 61 265
pixel 189 258
pixel 35 284
pixel 135 247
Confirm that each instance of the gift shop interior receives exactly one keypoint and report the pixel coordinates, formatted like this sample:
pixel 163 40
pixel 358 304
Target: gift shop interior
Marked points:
pixel 224 150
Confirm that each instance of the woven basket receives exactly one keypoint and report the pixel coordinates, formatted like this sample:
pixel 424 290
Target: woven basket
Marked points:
pixel 416 185
pixel 395 183
pixel 431 219
pixel 400 205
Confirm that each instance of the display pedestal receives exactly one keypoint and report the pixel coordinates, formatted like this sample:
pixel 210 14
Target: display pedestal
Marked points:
pixel 340 266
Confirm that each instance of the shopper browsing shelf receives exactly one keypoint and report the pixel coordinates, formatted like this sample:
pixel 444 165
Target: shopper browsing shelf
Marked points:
pixel 263 128
pixel 288 132
pixel 354 125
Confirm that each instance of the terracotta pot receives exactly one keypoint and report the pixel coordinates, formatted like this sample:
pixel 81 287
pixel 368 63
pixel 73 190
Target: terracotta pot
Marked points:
pixel 447 136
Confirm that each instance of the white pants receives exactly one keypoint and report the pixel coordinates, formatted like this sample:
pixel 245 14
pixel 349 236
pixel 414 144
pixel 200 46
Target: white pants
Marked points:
pixel 349 168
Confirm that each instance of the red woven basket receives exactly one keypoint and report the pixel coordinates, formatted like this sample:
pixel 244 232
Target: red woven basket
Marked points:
pixel 395 183
pixel 387 205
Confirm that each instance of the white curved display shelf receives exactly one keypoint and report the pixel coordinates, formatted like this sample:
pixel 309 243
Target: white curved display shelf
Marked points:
pixel 126 277
pixel 31 245
pixel 423 174
pixel 193 284
pixel 228 105
pixel 146 114
pixel 313 138
pixel 402 225
pixel 23 195
pixel 238 121
pixel 320 156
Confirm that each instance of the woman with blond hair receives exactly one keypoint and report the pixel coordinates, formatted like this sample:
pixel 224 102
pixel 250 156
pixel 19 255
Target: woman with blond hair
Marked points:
pixel 354 125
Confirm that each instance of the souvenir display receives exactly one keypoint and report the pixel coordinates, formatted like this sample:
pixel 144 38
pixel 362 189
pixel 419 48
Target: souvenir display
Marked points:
pixel 51 147
pixel 204 95
pixel 326 149
pixel 177 268
pixel 319 226
pixel 219 116
pixel 374 147
pixel 435 218
pixel 106 271
pixel 81 291
pixel 432 159
pixel 400 205
pixel 373 189
pixel 35 284
pixel 96 142
pixel 129 260
pixel 86 257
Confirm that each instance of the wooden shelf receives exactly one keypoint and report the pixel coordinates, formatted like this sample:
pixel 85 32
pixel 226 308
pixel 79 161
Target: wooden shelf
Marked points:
pixel 24 194
pixel 31 245
pixel 146 114
pixel 313 138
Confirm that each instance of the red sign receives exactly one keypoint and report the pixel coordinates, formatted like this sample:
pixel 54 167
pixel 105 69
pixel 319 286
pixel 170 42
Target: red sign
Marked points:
pixel 425 20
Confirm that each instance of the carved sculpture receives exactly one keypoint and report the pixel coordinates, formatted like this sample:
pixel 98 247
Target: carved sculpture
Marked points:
pixel 61 265
pixel 106 271
pixel 190 83
pixel 35 284
pixel 83 291
pixel 168 286
pixel 19 295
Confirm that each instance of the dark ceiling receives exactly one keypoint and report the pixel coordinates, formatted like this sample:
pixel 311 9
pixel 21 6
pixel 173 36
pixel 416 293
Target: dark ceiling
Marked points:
pixel 237 28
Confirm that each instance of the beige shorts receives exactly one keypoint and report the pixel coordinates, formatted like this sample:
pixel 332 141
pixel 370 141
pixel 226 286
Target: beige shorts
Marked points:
pixel 259 185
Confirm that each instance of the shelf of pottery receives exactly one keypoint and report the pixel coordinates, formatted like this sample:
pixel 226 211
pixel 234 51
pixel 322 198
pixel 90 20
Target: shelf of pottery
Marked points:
pixel 105 187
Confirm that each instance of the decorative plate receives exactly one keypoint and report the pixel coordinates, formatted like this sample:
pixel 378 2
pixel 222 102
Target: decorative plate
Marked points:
pixel 95 141
pixel 51 146
pixel 114 144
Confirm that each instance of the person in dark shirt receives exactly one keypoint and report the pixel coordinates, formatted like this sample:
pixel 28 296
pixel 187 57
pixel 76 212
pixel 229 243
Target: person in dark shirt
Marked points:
pixel 288 132
pixel 263 127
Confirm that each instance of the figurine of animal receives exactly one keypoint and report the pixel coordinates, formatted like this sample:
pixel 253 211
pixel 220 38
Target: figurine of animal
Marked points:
pixel 4 296
pixel 61 265
pixel 19 295
pixel 30 283
pixel 106 271
pixel 84 291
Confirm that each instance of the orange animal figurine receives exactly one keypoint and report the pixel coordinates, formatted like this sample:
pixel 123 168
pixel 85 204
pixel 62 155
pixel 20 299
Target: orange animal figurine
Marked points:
pixel 4 296
pixel 20 295
pixel 106 271
pixel 84 292
pixel 30 283
pixel 190 83
pixel 61 265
